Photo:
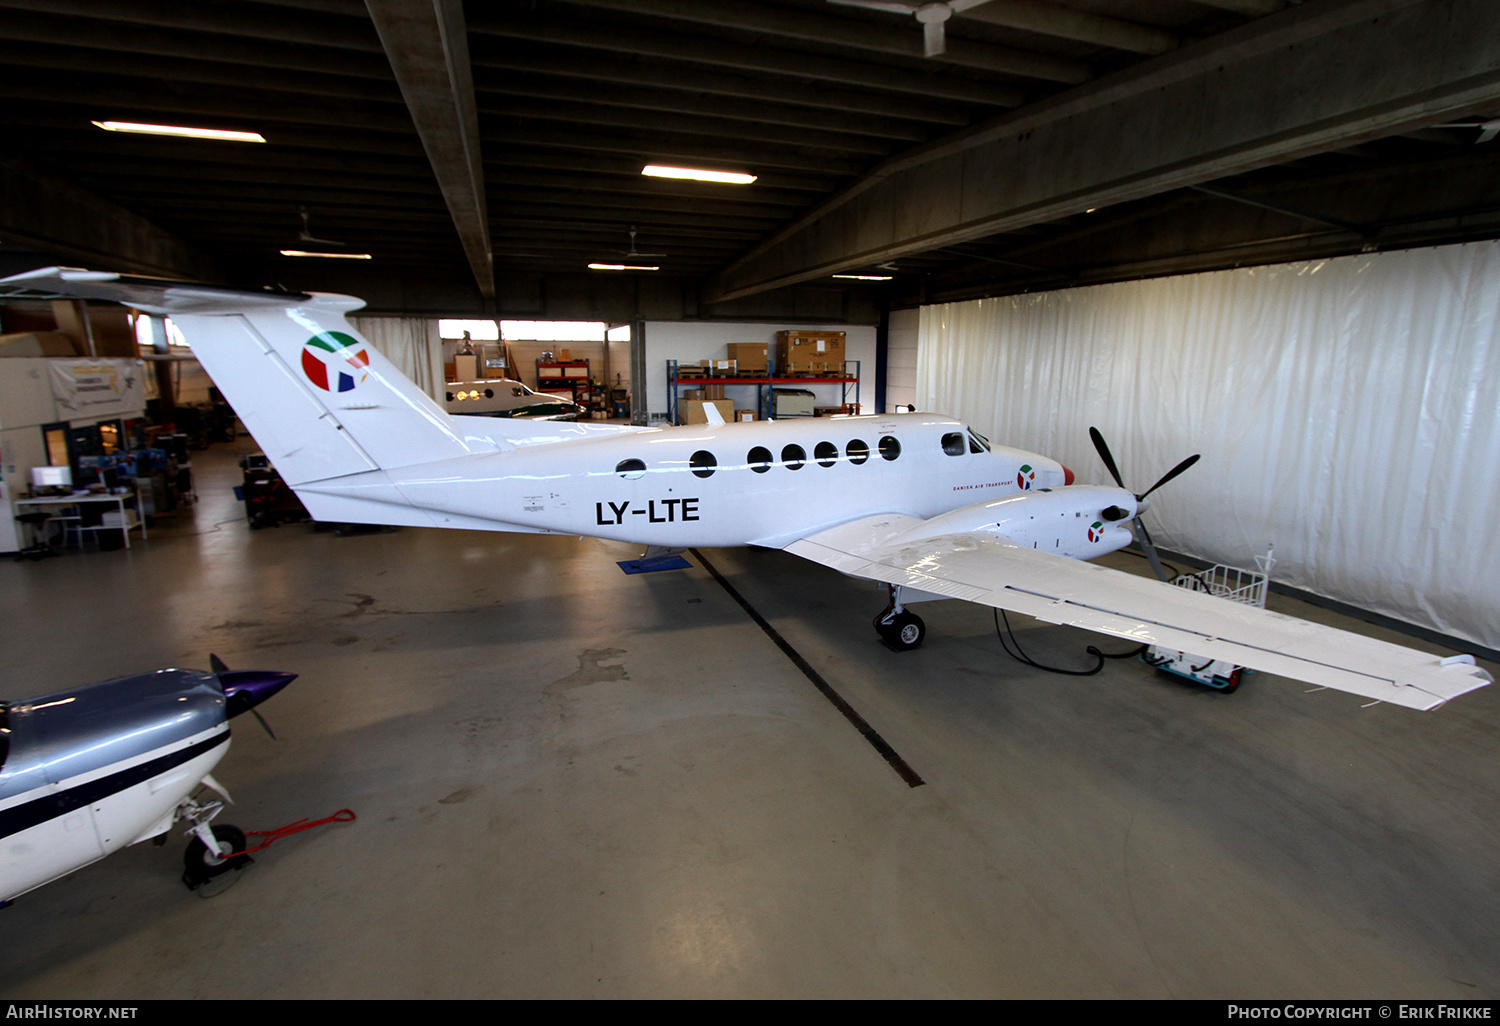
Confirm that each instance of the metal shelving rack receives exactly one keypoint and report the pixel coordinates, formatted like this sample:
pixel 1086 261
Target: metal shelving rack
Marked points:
pixel 764 386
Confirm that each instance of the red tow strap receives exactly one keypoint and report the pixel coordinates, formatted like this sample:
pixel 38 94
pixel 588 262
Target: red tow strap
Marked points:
pixel 272 836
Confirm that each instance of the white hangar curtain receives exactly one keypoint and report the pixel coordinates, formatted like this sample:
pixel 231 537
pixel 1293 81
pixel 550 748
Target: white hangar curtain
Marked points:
pixel 1347 411
pixel 411 343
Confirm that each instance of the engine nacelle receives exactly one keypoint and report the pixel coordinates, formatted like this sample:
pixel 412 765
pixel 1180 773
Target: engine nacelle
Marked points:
pixel 1077 521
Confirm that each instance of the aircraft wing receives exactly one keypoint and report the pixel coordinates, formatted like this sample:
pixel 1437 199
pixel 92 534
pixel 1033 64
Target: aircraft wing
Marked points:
pixel 991 571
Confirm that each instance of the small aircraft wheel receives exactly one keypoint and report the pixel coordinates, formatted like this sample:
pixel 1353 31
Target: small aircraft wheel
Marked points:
pixel 201 865
pixel 904 632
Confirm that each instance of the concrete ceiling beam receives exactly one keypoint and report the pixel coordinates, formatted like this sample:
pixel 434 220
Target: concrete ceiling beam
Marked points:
pixel 427 44
pixel 1313 78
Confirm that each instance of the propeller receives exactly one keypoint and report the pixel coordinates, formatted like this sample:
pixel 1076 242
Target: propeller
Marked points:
pixel 306 235
pixel 931 15
pixel 245 689
pixel 1142 536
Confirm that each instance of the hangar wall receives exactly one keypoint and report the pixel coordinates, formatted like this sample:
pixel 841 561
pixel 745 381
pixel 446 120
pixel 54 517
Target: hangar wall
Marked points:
pixel 1345 409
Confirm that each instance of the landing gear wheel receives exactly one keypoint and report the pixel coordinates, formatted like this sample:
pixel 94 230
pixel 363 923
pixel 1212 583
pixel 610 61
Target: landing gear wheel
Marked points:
pixel 201 865
pixel 902 632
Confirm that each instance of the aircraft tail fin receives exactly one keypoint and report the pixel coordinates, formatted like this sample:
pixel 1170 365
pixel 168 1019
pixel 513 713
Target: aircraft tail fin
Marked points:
pixel 318 398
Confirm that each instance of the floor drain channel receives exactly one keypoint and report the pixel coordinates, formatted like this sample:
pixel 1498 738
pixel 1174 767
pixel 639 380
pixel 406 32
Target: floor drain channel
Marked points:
pixel 870 734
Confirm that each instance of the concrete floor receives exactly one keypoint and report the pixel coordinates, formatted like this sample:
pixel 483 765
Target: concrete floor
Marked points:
pixel 575 783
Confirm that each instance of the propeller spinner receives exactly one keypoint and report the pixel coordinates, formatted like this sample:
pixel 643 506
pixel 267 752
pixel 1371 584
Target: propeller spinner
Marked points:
pixel 245 689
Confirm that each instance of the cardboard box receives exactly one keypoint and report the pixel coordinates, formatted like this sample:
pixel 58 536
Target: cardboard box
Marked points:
pixel 691 411
pixel 741 416
pixel 810 352
pixel 465 368
pixel 749 357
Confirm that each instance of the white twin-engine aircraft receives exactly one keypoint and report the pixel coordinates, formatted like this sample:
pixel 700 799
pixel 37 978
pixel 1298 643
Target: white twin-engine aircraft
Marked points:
pixel 917 501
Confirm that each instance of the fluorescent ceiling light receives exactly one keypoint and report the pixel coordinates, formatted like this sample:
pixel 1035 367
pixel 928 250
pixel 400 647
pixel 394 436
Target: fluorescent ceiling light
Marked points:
pixel 865 277
pixel 329 256
pixel 189 133
pixel 622 267
pixel 697 175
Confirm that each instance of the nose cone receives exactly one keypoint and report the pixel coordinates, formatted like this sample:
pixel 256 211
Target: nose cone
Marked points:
pixel 1067 476
pixel 245 689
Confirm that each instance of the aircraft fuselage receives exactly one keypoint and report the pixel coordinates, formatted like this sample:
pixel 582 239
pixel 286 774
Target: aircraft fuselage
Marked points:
pixel 760 483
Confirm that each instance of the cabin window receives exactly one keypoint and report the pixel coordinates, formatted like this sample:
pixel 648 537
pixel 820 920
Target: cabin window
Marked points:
pixel 953 443
pixel 890 449
pixel 759 459
pixel 630 469
pixel 703 463
pixel 826 453
pixel 858 451
pixel 793 456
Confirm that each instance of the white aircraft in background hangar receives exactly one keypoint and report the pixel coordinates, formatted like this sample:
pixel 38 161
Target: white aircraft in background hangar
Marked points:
pixel 916 501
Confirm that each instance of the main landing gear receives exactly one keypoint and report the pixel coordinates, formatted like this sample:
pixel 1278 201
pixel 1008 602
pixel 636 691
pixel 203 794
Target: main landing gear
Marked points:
pixel 900 629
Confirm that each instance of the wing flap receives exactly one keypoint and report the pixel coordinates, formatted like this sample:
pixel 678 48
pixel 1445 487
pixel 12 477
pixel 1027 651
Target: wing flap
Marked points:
pixel 1055 589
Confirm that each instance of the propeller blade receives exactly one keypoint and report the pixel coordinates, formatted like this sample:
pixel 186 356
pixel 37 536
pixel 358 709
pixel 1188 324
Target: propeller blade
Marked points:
pixel 1170 475
pixel 1143 539
pixel 216 664
pixel 263 723
pixel 1109 461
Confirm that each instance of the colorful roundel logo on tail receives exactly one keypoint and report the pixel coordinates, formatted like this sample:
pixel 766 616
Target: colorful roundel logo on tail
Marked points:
pixel 1026 478
pixel 334 361
pixel 1096 531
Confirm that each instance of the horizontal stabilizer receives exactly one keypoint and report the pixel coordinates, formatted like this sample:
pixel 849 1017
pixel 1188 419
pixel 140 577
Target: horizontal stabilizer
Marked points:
pixel 155 295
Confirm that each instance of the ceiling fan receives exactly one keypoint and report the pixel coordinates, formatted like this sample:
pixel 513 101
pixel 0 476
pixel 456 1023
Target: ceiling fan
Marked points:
pixel 931 15
pixel 306 235
pixel 633 254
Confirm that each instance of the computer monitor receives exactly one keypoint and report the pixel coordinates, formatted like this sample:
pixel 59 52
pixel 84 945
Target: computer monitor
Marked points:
pixel 51 477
